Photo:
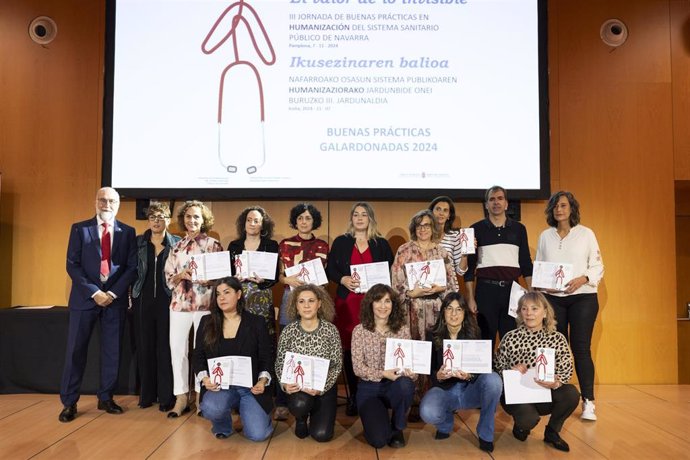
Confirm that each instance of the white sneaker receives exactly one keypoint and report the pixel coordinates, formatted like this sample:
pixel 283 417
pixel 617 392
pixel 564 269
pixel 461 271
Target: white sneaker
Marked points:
pixel 588 410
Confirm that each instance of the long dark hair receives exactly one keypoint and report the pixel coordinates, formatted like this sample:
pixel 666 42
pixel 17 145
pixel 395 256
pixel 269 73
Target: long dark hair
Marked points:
pixel 448 226
pixel 214 328
pixel 469 329
pixel 366 311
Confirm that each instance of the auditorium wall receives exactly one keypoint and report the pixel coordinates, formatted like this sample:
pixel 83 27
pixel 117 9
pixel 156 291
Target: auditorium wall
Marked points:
pixel 618 128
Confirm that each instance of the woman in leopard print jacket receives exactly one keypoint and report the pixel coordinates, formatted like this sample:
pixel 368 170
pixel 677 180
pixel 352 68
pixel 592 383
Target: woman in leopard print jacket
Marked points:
pixel 518 351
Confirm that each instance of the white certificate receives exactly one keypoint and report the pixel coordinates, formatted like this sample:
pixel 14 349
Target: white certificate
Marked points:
pixel 545 364
pixel 551 275
pixel 408 354
pixel 370 274
pixel 466 239
pixel 209 266
pixel 521 388
pixel 309 272
pixel 426 273
pixel 231 370
pixel 309 372
pixel 259 264
pixel 516 291
pixel 473 356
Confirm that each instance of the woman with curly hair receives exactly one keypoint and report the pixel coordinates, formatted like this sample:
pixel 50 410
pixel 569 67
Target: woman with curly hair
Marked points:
pixel 454 389
pixel 304 246
pixel 381 317
pixel 191 298
pixel 255 230
pixel 311 333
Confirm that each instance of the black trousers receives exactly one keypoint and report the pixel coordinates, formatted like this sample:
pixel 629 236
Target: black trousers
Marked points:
pixel 492 305
pixel 152 339
pixel 320 410
pixel 576 315
pixel 564 400
pixel 373 401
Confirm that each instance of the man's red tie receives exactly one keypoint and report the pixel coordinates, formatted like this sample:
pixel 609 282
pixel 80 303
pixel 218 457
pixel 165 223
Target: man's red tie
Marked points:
pixel 105 252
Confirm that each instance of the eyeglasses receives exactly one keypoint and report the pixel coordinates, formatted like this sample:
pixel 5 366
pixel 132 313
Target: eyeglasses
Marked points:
pixel 156 217
pixel 105 201
pixel 424 226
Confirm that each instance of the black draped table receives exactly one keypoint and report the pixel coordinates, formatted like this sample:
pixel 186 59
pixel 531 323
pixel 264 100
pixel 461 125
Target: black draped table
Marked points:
pixel 32 353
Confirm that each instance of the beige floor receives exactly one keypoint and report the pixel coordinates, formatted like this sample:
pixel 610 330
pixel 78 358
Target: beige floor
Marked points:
pixel 635 421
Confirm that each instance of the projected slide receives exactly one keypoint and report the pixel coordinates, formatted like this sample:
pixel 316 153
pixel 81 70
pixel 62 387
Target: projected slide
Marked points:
pixel 325 94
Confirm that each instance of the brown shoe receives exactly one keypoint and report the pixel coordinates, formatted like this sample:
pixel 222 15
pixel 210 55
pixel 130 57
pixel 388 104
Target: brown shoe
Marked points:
pixel 181 406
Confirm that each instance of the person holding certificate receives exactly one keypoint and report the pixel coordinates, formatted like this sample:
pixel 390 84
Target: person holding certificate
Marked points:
pixel 577 305
pixel 381 317
pixel 190 299
pixel 311 333
pixel 518 351
pixel 151 307
pixel 232 331
pixel 455 389
pixel 360 244
pixel 255 230
pixel 444 212
pixel 422 302
pixel 304 246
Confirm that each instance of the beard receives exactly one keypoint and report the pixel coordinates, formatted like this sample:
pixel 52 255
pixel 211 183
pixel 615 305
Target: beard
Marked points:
pixel 106 215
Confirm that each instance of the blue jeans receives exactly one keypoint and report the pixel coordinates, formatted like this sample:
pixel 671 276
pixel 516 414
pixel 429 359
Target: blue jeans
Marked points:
pixel 373 401
pixel 438 405
pixel 216 406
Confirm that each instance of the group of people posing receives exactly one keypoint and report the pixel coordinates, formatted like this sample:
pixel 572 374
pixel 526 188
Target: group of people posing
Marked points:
pixel 235 316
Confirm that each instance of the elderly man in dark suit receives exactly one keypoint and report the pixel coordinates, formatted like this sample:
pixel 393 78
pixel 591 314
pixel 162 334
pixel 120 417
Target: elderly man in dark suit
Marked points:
pixel 102 263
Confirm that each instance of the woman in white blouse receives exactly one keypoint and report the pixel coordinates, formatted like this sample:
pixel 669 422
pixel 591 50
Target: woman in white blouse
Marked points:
pixel 576 305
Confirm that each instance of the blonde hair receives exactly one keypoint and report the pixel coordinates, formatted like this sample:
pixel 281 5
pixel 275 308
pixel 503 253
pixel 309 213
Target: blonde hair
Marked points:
pixel 549 323
pixel 372 229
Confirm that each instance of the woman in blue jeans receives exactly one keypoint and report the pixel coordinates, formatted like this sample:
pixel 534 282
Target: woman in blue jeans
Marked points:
pixel 453 390
pixel 231 331
pixel 381 317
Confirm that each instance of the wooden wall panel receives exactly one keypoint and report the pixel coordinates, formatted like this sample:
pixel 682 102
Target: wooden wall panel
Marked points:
pixel 680 58
pixel 616 154
pixel 612 120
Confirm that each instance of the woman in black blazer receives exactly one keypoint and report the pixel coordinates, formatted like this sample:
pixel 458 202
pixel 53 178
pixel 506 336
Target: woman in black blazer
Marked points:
pixel 360 244
pixel 231 331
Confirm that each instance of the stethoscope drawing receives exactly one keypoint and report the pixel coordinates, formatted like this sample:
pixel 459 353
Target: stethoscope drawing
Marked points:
pixel 238 18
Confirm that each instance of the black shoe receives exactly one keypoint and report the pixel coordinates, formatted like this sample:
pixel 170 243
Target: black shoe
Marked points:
pixel 553 438
pixel 397 440
pixel 486 446
pixel 110 407
pixel 351 408
pixel 68 413
pixel 166 407
pixel 520 435
pixel 301 428
pixel 145 405
pixel 221 436
pixel 441 435
pixel 413 416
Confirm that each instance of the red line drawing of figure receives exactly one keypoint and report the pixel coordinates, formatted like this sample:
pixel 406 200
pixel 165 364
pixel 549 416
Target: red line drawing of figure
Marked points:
pixel 242 15
pixel 299 374
pixel 217 374
pixel 238 266
pixel 399 356
pixel 413 277
pixel 426 271
pixel 193 266
pixel 448 357
pixel 355 277
pixel 291 364
pixel 541 365
pixel 463 241
pixel 559 275
pixel 304 274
